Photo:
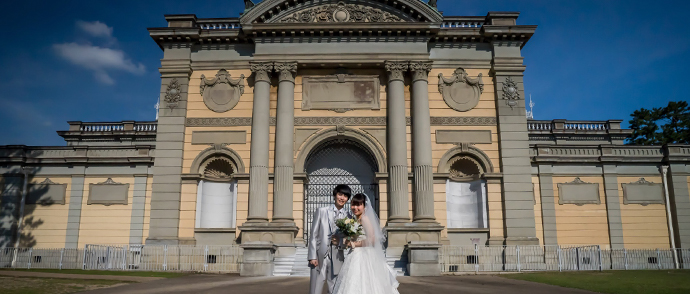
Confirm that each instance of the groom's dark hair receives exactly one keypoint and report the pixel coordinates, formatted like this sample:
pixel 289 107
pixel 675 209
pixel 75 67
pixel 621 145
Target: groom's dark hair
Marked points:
pixel 342 189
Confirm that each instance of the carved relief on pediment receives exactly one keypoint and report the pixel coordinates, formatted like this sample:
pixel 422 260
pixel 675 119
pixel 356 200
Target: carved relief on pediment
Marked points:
pixel 221 93
pixel 340 12
pixel 460 91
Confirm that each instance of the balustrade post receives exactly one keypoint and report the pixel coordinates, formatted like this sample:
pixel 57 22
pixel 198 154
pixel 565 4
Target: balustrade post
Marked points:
pixel 165 257
pixel 31 251
pixel 517 249
pixel 625 253
pixel 476 259
pixel 560 266
pixel 206 258
pixel 601 267
pixel 62 253
pixel 658 258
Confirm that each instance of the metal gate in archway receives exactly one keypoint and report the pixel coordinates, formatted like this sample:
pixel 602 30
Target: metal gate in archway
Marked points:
pixel 335 162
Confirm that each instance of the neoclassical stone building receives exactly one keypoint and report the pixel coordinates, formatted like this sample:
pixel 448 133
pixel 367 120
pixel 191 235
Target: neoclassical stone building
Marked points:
pixel 260 116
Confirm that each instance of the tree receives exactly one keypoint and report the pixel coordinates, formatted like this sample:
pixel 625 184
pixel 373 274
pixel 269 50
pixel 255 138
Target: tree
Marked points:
pixel 665 125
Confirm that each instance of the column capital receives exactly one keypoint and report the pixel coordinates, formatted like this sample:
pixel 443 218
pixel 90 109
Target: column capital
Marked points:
pixel 420 70
pixel 262 71
pixel 396 70
pixel 286 70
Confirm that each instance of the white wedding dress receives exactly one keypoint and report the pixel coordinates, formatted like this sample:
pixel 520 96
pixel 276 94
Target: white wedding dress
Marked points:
pixel 365 270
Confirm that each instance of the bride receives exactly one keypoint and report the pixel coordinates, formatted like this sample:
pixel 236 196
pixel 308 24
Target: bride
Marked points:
pixel 365 270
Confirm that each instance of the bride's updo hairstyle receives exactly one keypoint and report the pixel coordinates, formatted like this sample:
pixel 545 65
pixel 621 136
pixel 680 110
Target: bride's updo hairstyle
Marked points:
pixel 359 199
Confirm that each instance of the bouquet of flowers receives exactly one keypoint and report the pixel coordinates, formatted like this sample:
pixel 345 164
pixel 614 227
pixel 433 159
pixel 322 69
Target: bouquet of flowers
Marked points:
pixel 350 228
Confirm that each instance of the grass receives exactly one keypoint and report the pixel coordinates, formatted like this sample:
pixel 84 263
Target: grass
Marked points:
pixel 106 273
pixel 17 285
pixel 616 282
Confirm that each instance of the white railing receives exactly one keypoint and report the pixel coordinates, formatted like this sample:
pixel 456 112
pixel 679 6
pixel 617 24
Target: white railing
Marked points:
pixel 220 259
pixel 539 125
pixel 586 126
pixel 462 24
pixel 557 258
pixel 102 127
pixel 220 26
pixel 150 127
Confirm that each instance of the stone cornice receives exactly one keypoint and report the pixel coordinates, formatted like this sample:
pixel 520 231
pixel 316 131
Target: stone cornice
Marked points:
pixel 609 153
pixel 77 155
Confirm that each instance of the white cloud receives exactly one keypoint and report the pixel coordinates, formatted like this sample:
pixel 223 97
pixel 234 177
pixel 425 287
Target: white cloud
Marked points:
pixel 95 28
pixel 98 59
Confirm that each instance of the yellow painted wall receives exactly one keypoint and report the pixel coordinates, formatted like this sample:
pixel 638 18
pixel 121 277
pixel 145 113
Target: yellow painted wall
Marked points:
pixel 582 225
pixel 45 226
pixel 643 226
pixel 102 224
pixel 495 206
pixel 438 107
pixel 187 211
pixel 538 217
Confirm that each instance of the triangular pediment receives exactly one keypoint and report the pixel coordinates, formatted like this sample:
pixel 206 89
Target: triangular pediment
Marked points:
pixel 340 11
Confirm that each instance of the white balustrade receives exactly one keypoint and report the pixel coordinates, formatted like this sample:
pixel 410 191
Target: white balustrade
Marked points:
pixel 220 26
pixel 462 24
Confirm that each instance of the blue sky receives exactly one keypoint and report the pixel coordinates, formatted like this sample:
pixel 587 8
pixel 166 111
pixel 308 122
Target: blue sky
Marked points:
pixel 94 60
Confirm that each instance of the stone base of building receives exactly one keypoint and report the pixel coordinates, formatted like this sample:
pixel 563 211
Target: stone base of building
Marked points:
pixel 423 259
pixel 522 241
pixel 162 241
pixel 280 234
pixel 214 236
pixel 257 259
pixel 400 234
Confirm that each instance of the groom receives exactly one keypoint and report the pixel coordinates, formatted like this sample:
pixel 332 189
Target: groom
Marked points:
pixel 326 254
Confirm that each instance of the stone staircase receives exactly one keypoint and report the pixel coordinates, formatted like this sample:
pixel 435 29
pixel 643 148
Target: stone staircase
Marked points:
pixel 300 266
pixel 297 265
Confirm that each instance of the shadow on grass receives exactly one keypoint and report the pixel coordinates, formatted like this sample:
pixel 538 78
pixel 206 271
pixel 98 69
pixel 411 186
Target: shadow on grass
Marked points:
pixel 616 282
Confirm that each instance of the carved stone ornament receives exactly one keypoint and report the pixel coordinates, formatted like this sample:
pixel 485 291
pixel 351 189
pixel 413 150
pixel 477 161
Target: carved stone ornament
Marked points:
pixel 109 181
pixel 420 70
pixel 643 192
pixel 221 93
pixel 341 12
pixel 510 92
pixel 464 167
pixel 396 70
pixel 173 94
pixel 286 70
pixel 47 181
pixel 262 71
pixel 460 91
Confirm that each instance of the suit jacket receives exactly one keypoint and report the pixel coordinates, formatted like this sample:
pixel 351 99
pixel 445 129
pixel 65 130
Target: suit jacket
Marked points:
pixel 323 227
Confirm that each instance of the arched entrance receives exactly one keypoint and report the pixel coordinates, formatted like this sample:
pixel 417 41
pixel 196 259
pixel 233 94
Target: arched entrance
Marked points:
pixel 337 161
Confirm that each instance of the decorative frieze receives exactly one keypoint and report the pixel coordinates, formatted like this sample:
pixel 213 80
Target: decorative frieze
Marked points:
pixel 340 12
pixel 221 93
pixel 460 91
pixel 334 120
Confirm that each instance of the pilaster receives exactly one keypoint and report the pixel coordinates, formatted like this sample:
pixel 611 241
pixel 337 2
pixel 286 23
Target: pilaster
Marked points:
pixel 167 168
pixel 548 205
pixel 76 196
pixel 9 209
pixel 507 71
pixel 136 226
pixel 613 207
pixel 678 174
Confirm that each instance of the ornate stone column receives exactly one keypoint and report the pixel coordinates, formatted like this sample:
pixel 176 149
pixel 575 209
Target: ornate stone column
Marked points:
pixel 397 143
pixel 421 140
pixel 284 153
pixel 258 170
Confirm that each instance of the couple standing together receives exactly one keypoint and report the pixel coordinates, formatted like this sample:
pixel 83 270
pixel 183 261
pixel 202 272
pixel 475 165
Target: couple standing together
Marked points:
pixel 365 270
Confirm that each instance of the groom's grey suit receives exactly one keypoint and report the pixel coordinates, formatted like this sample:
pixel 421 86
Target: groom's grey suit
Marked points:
pixel 323 227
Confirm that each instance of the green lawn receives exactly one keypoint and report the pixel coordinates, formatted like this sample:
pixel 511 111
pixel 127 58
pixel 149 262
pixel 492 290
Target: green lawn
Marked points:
pixel 16 285
pixel 615 282
pixel 107 273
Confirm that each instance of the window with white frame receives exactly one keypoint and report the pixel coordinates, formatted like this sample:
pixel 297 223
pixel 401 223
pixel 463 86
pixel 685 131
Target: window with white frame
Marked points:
pixel 216 203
